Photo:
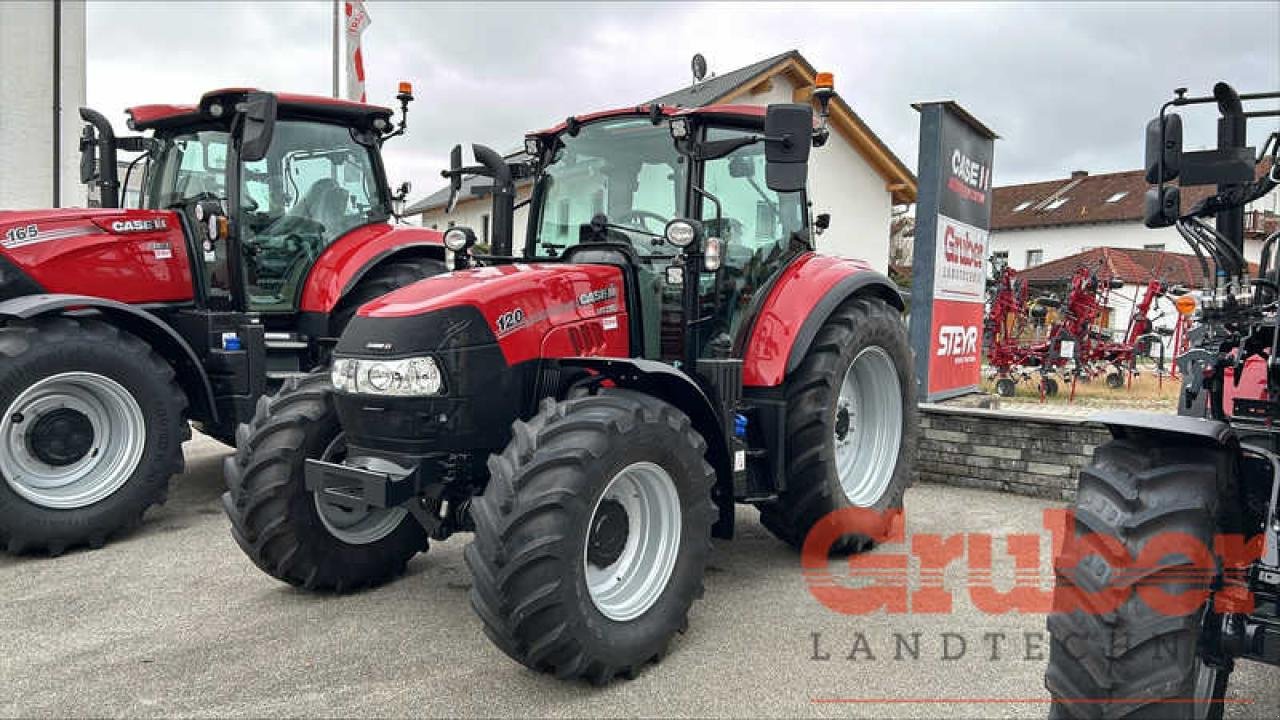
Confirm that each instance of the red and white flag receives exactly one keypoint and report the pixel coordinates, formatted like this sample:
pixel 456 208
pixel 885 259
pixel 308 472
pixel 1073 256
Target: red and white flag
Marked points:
pixel 357 21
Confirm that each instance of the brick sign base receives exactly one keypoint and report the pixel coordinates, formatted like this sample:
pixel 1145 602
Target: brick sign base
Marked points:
pixel 1015 453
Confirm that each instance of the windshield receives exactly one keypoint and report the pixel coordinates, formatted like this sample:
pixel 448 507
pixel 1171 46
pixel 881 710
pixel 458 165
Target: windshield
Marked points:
pixel 626 169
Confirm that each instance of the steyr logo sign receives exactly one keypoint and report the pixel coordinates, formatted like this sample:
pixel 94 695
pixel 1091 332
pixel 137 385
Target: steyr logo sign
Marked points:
pixel 958 340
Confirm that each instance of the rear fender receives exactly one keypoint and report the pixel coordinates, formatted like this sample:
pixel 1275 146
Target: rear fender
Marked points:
pixel 670 385
pixel 801 300
pixel 1128 424
pixel 345 262
pixel 164 339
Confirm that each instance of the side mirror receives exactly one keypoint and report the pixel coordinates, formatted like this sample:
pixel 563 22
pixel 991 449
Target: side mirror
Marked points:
pixel 455 177
pixel 257 124
pixel 788 130
pixel 1162 206
pixel 1164 148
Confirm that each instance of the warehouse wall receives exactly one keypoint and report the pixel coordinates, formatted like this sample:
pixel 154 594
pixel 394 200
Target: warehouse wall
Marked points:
pixel 27 103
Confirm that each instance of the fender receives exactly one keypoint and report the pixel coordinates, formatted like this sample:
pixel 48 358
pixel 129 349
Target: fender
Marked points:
pixel 673 386
pixel 1127 423
pixel 347 260
pixel 165 340
pixel 812 287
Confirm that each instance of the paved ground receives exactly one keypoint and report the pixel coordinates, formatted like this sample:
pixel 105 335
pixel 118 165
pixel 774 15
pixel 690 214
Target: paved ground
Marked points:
pixel 175 621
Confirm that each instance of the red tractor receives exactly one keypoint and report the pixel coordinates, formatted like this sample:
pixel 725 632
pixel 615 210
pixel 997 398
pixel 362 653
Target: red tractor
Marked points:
pixel 668 343
pixel 1172 573
pixel 120 325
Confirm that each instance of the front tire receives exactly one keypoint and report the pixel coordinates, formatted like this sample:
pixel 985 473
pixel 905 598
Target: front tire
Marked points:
pixel 1137 661
pixel 92 430
pixel 851 424
pixel 291 533
pixel 592 535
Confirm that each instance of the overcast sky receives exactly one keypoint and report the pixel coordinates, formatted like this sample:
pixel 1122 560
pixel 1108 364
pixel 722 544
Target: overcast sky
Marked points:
pixel 1067 86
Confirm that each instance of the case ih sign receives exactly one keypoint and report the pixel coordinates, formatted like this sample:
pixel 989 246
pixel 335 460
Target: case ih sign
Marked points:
pixel 951 248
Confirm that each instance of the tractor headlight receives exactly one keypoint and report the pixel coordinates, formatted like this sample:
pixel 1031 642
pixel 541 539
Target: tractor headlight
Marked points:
pixel 404 378
pixel 681 233
pixel 459 238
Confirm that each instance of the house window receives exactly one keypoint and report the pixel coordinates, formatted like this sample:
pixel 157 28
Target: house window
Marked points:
pixel 1022 206
pixel 1158 247
pixel 1118 196
pixel 1057 203
pixel 999 259
pixel 1034 258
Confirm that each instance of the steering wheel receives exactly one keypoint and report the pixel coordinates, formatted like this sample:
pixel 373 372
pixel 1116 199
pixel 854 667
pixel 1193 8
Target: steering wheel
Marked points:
pixel 638 218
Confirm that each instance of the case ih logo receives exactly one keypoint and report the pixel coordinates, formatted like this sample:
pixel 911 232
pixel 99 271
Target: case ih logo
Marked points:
pixel 600 295
pixel 136 226
pixel 969 179
pixel 958 341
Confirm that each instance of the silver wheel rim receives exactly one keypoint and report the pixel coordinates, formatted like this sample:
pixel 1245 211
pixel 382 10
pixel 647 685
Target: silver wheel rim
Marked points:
pixel 98 403
pixel 626 587
pixel 868 427
pixel 354 525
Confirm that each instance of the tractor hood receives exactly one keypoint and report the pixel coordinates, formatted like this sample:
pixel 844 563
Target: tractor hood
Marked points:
pixel 517 306
pixel 133 256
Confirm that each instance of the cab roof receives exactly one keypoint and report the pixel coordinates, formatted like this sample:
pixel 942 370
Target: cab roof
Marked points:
pixel 149 117
pixel 747 112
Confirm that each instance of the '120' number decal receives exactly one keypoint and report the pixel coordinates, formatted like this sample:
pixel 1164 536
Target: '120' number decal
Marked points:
pixel 510 320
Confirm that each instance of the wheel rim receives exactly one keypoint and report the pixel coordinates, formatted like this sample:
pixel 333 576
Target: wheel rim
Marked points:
pixel 71 440
pixel 868 427
pixel 354 524
pixel 633 539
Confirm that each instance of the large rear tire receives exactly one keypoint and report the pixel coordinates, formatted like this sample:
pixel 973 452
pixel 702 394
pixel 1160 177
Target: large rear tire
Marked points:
pixel 851 424
pixel 380 281
pixel 291 533
pixel 592 535
pixel 91 431
pixel 1137 661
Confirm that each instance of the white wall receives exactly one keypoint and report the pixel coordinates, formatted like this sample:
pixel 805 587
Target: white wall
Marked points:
pixel 26 102
pixel 1060 242
pixel 844 184
pixel 471 214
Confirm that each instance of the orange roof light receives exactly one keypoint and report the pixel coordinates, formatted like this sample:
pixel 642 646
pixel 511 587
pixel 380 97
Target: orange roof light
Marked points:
pixel 1186 304
pixel 825 80
pixel 406 88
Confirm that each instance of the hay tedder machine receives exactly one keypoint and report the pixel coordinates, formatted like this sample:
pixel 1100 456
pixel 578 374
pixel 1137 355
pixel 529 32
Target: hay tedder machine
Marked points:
pixel 1172 572
pixel 1044 340
pixel 666 344
pixel 264 221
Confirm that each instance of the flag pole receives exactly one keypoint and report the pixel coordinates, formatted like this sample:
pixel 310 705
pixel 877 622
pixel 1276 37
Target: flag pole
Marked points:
pixel 336 18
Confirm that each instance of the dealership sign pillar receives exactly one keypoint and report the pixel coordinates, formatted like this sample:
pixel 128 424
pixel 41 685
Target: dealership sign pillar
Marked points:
pixel 949 262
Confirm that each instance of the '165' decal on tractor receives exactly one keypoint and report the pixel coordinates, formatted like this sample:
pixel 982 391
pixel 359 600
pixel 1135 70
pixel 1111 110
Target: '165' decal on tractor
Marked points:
pixel 120 325
pixel 667 344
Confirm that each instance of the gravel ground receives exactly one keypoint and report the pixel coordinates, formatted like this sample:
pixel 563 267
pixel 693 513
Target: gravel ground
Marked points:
pixel 174 620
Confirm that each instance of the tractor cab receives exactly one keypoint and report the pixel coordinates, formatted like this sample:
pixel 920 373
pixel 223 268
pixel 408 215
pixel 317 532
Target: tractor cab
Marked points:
pixel 702 207
pixel 308 171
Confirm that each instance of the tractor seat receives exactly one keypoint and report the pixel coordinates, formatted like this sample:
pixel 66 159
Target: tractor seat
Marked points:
pixel 325 202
